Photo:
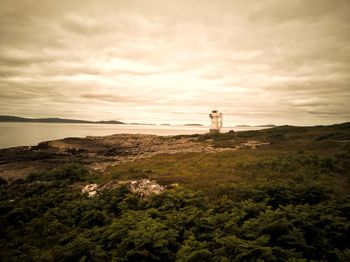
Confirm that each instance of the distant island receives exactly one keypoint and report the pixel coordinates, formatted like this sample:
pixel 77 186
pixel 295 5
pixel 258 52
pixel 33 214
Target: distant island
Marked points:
pixel 266 125
pixel 242 126
pixel 193 125
pixel 54 120
pixel 141 124
pixel 255 126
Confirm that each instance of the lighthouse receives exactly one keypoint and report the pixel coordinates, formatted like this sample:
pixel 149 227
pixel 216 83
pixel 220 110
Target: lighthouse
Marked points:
pixel 216 121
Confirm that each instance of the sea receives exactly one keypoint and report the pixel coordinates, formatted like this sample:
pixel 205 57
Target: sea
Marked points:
pixel 29 134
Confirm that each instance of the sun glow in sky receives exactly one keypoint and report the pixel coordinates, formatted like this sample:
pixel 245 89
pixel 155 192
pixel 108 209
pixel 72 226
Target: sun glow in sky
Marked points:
pixel 259 62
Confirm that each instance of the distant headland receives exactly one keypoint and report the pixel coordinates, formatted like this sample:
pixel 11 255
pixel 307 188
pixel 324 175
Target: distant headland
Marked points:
pixel 54 120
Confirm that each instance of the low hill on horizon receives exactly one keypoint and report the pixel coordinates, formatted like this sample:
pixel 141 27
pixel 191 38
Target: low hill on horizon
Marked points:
pixel 4 118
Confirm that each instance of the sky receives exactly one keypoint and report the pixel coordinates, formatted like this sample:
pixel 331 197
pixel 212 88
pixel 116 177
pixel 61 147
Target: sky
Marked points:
pixel 257 61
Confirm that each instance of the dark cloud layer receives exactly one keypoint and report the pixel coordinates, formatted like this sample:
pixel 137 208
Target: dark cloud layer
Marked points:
pixel 270 61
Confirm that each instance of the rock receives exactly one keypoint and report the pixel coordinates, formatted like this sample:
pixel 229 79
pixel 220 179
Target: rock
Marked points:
pixel 145 187
pixel 254 144
pixel 96 153
pixel 174 185
pixel 90 189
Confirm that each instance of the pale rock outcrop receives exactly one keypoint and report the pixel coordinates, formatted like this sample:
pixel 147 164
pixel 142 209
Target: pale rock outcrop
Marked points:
pixel 90 189
pixel 145 187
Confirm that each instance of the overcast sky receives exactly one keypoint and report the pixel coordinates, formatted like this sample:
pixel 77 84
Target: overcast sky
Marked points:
pixel 259 62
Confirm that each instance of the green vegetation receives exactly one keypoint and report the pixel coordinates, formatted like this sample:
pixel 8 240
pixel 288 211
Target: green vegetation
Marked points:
pixel 287 201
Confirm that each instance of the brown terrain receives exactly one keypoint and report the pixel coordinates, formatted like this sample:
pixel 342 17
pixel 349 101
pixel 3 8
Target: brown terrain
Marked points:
pixel 98 152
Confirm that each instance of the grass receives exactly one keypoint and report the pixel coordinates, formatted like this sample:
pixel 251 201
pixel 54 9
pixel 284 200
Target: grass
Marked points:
pixel 198 171
pixel 294 154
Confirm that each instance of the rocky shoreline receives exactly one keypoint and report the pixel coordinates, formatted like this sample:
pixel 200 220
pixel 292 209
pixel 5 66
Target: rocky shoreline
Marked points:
pixel 99 152
pixel 95 152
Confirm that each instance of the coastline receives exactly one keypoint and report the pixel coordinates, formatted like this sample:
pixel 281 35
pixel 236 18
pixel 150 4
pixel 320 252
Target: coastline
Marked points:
pixel 95 152
pixel 30 134
pixel 99 152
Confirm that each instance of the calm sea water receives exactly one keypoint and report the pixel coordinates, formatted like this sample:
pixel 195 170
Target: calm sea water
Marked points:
pixel 29 134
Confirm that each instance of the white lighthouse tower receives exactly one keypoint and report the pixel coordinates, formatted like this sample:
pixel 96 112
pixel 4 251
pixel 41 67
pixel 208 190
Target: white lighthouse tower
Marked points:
pixel 216 121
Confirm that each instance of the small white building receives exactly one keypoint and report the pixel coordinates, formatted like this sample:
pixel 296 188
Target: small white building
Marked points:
pixel 216 121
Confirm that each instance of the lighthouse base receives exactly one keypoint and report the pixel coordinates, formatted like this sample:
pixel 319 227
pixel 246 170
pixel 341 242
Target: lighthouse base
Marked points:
pixel 214 131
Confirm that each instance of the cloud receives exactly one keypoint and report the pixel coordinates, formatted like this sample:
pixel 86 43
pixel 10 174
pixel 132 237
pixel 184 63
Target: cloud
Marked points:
pixel 116 98
pixel 258 61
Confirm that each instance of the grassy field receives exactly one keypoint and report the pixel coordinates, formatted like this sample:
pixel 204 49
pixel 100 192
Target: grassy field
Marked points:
pixel 287 200
pixel 293 154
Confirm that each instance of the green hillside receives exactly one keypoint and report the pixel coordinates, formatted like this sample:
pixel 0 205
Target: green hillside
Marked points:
pixel 286 200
